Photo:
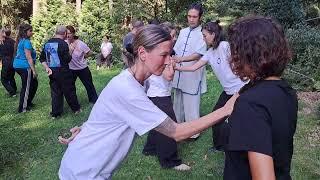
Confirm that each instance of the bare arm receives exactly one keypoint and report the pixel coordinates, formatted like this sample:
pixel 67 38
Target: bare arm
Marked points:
pixel 261 166
pixel 46 67
pixel 192 57
pixel 192 68
pixel 187 129
pixel 88 54
pixel 30 61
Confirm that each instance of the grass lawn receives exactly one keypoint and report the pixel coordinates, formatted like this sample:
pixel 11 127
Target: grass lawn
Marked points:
pixel 29 147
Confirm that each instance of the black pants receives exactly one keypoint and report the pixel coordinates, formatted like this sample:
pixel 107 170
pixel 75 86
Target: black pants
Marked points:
pixel 62 84
pixel 7 76
pixel 101 61
pixel 28 89
pixel 220 130
pixel 161 145
pixel 86 79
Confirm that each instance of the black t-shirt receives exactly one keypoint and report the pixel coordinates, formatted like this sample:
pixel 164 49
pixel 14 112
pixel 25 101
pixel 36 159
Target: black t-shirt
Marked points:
pixel 264 121
pixel 56 53
pixel 7 49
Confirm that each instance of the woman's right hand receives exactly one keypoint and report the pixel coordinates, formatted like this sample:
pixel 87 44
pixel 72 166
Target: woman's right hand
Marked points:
pixel 230 103
pixel 74 132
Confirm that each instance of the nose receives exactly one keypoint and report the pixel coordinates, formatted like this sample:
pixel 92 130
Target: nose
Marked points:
pixel 167 60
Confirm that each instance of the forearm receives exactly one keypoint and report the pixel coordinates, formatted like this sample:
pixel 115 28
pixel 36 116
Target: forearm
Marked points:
pixel 261 166
pixel 185 130
pixel 192 57
pixel 30 61
pixel 88 54
pixel 45 65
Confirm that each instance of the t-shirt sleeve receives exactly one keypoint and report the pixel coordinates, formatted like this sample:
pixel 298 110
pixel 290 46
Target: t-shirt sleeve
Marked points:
pixel 84 47
pixel 27 44
pixel 42 55
pixel 140 113
pixel 206 56
pixel 249 128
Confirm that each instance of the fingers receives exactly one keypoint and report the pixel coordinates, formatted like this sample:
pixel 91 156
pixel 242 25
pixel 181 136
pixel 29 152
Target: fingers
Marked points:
pixel 63 140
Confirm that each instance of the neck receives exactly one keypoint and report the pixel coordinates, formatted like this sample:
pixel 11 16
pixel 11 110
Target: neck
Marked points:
pixel 59 36
pixel 139 72
pixel 72 40
pixel 272 78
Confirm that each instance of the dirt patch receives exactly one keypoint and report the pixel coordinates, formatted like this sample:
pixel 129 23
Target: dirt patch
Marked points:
pixel 311 101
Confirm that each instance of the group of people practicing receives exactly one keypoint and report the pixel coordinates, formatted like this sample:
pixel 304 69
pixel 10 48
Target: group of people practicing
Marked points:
pixel 63 58
pixel 253 122
pixel 254 119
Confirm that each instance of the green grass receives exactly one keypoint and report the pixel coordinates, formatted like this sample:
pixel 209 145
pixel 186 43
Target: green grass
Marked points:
pixel 29 147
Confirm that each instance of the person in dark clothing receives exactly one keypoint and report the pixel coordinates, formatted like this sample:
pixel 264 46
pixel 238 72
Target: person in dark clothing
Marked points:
pixel 7 71
pixel 55 58
pixel 263 122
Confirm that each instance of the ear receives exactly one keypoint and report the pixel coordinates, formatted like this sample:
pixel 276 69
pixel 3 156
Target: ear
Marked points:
pixel 142 53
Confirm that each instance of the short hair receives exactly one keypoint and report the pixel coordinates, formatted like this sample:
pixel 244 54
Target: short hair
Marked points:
pixel 197 6
pixel 259 48
pixel 61 30
pixel 214 27
pixel 137 24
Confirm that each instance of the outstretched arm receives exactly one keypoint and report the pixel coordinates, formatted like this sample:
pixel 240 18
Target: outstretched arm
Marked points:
pixel 192 68
pixel 185 130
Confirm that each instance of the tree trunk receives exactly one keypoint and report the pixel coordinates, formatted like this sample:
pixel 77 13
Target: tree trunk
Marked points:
pixel 78 6
pixel 35 6
pixel 111 7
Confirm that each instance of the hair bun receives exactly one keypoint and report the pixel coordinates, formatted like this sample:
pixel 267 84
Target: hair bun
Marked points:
pixel 129 48
pixel 218 21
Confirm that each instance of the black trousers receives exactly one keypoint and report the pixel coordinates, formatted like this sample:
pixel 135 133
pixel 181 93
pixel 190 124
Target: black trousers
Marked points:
pixel 7 76
pixel 220 130
pixel 161 145
pixel 28 89
pixel 62 84
pixel 86 79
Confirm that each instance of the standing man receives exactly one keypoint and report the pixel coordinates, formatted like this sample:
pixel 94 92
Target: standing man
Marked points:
pixel 55 59
pixel 188 86
pixel 128 39
pixel 6 54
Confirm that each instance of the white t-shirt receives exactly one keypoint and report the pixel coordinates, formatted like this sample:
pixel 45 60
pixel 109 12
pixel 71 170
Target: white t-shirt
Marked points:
pixel 219 59
pixel 121 110
pixel 106 49
pixel 158 86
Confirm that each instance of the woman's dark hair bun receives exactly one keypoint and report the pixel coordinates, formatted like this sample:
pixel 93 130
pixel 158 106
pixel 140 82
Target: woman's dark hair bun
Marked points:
pixel 218 21
pixel 129 48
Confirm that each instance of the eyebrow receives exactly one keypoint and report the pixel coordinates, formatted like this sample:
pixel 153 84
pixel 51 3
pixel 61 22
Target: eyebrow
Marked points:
pixel 164 53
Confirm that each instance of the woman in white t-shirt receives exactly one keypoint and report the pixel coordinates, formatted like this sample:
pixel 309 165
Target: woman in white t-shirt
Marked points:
pixel 105 57
pixel 159 92
pixel 123 109
pixel 218 56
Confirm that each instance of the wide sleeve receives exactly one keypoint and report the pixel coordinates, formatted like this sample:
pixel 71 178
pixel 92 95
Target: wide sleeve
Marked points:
pixel 206 56
pixel 201 47
pixel 84 47
pixel 250 128
pixel 140 113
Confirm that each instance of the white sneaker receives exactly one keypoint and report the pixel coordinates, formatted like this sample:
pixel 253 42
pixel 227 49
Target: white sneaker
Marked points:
pixel 195 136
pixel 182 167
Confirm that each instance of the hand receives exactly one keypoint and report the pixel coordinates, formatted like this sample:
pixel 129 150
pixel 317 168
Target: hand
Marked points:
pixel 49 71
pixel 168 72
pixel 34 74
pixel 74 132
pixel 177 59
pixel 228 107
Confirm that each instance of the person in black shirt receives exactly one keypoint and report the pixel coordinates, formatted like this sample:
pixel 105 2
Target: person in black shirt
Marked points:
pixel 263 122
pixel 55 58
pixel 6 54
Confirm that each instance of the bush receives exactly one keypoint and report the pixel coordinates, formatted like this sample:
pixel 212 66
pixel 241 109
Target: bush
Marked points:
pixel 305 43
pixel 46 20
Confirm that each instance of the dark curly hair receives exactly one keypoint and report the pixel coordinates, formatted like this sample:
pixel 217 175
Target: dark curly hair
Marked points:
pixel 259 48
